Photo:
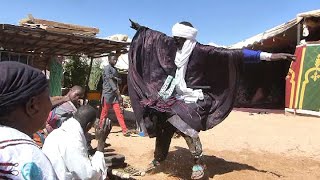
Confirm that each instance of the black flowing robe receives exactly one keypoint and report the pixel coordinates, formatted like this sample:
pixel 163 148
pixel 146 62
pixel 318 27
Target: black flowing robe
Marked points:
pixel 214 70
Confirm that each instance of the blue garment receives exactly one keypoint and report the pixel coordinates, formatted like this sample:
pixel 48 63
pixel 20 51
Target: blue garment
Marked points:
pixel 250 56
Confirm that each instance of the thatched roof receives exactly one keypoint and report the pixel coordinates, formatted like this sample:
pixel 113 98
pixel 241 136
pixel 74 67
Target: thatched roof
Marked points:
pixel 282 37
pixel 42 42
pixel 53 26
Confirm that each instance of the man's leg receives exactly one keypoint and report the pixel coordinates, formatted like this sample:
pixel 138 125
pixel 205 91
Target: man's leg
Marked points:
pixel 163 140
pixel 163 131
pixel 104 110
pixel 120 118
pixel 195 148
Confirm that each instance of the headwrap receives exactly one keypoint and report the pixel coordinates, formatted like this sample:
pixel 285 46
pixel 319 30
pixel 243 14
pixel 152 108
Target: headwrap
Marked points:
pixel 184 31
pixel 18 83
pixel 181 60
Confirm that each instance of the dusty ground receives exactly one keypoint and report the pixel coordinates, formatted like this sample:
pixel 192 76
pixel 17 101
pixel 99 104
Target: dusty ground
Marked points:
pixel 244 146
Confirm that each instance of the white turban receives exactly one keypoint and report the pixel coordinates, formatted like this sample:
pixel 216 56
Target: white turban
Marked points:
pixel 184 31
pixel 181 60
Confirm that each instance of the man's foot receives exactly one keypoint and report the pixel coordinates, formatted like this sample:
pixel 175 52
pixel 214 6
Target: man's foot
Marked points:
pixel 152 166
pixel 126 134
pixel 197 171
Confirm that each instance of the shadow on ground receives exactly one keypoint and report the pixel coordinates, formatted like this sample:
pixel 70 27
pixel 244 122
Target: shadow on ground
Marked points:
pixel 180 161
pixel 129 119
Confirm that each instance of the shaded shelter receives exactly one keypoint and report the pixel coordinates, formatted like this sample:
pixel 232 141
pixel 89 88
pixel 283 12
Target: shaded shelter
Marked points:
pixel 263 85
pixel 36 46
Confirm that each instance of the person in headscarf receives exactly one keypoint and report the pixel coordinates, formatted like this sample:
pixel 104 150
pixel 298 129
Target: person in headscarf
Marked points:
pixel 24 108
pixel 176 83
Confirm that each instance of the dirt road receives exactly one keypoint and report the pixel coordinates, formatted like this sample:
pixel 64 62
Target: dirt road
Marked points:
pixel 244 146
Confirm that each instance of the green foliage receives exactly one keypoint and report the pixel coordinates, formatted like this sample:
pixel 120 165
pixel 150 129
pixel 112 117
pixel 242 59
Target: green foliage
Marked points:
pixel 76 71
pixel 95 75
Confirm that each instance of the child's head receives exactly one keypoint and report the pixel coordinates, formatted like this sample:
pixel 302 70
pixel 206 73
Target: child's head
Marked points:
pixel 75 93
pixel 113 60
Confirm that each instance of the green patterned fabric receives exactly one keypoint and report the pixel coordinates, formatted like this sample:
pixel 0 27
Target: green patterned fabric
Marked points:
pixel 310 80
pixel 56 74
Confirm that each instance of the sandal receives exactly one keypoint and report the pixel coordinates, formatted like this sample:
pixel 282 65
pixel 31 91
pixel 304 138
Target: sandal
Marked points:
pixel 152 166
pixel 127 134
pixel 197 171
pixel 133 171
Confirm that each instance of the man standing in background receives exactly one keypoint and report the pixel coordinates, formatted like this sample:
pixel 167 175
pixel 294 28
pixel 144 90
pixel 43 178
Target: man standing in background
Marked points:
pixel 111 94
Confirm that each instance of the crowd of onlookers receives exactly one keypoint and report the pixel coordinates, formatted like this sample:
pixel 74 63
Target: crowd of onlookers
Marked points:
pixel 46 137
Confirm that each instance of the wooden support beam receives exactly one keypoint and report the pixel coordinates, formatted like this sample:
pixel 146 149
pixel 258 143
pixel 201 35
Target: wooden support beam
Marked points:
pixel 298 33
pixel 7 27
pixel 88 79
pixel 15 46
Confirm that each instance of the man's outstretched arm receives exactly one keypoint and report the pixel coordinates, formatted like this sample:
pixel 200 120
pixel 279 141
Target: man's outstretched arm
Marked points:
pixel 134 25
pixel 251 56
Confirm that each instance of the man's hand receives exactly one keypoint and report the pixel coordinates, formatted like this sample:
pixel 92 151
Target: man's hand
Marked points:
pixel 120 99
pixel 134 25
pixel 119 80
pixel 58 100
pixel 66 98
pixel 282 56
pixel 102 133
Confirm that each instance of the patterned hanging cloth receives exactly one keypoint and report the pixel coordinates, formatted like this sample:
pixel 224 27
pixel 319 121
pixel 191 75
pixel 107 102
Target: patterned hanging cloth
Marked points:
pixel 56 74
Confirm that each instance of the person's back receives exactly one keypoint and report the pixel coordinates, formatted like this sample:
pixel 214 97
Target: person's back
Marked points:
pixel 24 106
pixel 60 114
pixel 20 157
pixel 57 148
pixel 66 147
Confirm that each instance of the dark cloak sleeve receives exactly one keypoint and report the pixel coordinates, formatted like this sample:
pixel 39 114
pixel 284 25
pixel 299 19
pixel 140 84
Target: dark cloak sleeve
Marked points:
pixel 222 72
pixel 151 60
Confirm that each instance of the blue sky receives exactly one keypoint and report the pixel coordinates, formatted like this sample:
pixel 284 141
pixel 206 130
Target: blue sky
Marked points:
pixel 223 22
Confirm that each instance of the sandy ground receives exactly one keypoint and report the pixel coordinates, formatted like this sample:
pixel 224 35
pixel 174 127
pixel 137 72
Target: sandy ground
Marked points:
pixel 244 146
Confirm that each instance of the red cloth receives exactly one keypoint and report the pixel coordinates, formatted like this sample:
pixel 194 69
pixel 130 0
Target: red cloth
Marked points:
pixel 118 112
pixel 293 78
pixel 39 137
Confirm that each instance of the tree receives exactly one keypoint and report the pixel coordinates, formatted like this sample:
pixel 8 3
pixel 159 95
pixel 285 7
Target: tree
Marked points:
pixel 76 71
pixel 95 75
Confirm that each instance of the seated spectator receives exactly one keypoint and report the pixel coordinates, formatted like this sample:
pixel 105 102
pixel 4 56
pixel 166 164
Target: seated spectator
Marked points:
pixel 66 147
pixel 24 108
pixel 64 107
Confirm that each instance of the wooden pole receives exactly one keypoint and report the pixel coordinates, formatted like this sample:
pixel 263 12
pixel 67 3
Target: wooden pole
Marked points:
pixel 87 83
pixel 298 33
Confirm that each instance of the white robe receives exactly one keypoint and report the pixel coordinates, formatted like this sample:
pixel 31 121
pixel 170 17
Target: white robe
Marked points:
pixel 21 158
pixel 66 147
